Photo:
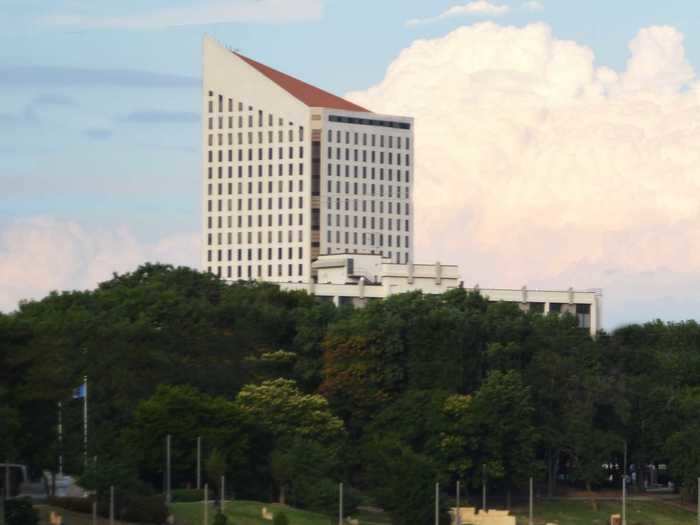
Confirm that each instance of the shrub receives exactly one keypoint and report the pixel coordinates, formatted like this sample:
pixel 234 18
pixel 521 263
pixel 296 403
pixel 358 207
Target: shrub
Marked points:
pixel 144 509
pixel 75 504
pixel 187 495
pixel 220 519
pixel 20 512
pixel 280 519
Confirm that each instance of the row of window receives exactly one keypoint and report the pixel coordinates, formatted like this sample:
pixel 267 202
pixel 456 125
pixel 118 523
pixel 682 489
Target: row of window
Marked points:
pixel 364 222
pixel 222 189
pixel 260 222
pixel 366 239
pixel 249 170
pixel 250 117
pixel 373 157
pixel 219 154
pixel 250 253
pixel 250 136
pixel 362 189
pixel 220 239
pixel 388 140
pixel 369 122
pixel 211 188
pixel 248 273
pixel 362 170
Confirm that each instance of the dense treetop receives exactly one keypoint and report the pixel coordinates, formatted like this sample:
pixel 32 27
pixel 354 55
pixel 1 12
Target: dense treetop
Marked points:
pixel 291 395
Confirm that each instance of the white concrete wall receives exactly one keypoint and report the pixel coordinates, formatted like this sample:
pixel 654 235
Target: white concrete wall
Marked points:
pixel 226 74
pixel 378 192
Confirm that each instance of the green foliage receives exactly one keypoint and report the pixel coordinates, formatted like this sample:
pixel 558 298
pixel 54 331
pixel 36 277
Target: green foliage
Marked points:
pixel 144 509
pixel 76 504
pixel 290 394
pixel 215 468
pixel 100 476
pixel 279 407
pixel 402 481
pixel 280 518
pixel 20 512
pixel 187 495
pixel 186 414
pixel 220 519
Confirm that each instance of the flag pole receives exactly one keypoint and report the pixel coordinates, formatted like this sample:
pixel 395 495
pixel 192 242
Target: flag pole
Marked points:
pixel 85 423
pixel 60 438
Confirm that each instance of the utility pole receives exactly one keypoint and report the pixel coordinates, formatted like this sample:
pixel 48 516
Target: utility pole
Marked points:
pixel 624 502
pixel 94 513
pixel 60 439
pixel 206 503
pixel 458 514
pixel 85 424
pixel 111 505
pixel 223 491
pixel 698 501
pixel 199 462
pixel 531 522
pixel 167 470
pixel 8 494
pixel 340 503
pixel 437 504
pixel 624 488
pixel 483 487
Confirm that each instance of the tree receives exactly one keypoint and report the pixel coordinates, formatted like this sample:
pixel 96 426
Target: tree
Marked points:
pixel 402 481
pixel 186 414
pixel 216 468
pixel 499 423
pixel 280 408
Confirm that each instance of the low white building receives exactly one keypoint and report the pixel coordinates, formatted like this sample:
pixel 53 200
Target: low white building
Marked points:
pixel 358 278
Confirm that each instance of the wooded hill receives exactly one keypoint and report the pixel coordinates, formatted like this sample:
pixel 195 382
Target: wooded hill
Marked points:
pixel 291 395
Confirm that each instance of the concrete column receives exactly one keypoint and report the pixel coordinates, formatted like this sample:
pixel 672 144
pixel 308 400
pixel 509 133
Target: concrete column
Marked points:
pixel 594 315
pixel 336 300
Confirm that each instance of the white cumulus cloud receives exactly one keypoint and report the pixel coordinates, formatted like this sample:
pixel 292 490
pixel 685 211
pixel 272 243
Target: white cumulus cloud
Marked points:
pixel 475 8
pixel 200 13
pixel 534 165
pixel 42 254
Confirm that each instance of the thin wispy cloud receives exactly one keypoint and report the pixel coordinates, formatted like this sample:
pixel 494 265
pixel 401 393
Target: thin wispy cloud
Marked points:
pixel 14 76
pixel 98 133
pixel 161 117
pixel 201 13
pixel 533 5
pixel 477 8
pixel 53 99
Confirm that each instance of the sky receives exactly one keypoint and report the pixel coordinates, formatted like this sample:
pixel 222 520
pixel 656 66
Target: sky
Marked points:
pixel 557 141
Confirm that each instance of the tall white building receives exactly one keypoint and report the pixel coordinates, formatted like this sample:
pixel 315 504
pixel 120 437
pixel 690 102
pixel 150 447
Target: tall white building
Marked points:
pixel 291 172
pixel 309 190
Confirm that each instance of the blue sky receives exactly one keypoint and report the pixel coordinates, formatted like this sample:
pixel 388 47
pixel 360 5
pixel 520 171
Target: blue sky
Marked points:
pixel 99 101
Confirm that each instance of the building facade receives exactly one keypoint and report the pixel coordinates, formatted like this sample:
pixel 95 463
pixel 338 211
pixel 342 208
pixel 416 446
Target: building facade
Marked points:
pixel 311 191
pixel 356 279
pixel 291 172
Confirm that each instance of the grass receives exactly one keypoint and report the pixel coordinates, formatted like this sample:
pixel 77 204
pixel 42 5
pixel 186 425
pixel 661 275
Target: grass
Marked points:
pixel 249 513
pixel 580 512
pixel 245 513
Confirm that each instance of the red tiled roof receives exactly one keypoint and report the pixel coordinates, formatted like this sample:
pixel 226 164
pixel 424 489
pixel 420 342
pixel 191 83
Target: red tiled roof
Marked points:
pixel 308 94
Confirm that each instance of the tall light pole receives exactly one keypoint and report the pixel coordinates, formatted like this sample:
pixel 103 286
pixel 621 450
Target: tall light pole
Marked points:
pixel 531 522
pixel 206 503
pixel 199 462
pixel 624 488
pixel 167 469
pixel 340 503
pixel 458 514
pixel 483 487
pixel 437 504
